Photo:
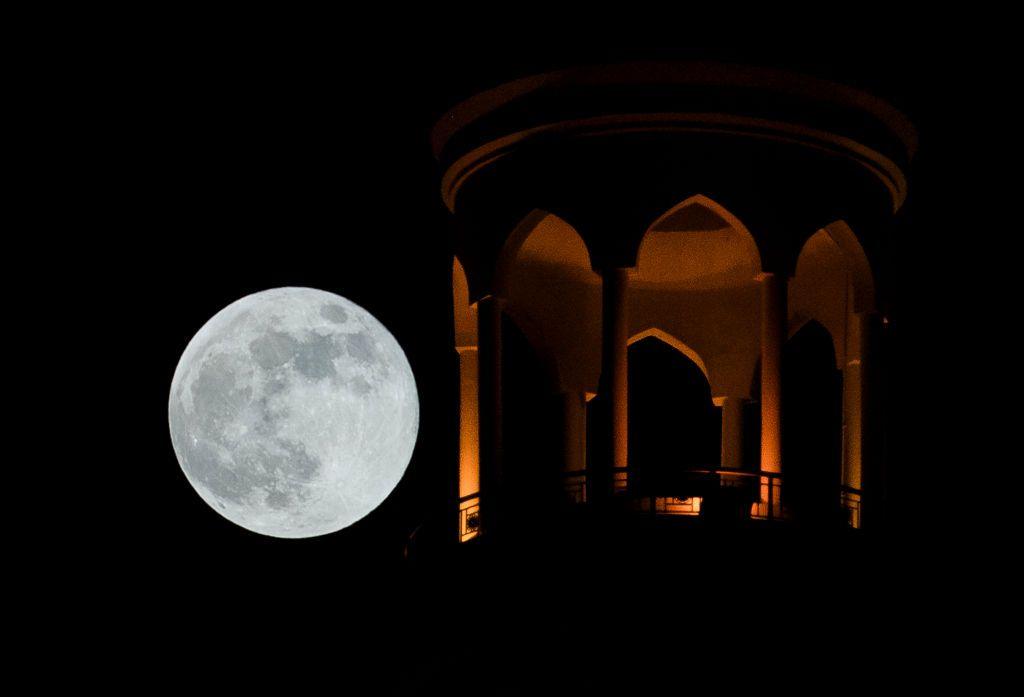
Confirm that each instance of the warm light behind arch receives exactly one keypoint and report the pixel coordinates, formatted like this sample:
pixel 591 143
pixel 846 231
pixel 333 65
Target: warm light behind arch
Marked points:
pixel 542 238
pixel 550 291
pixel 697 244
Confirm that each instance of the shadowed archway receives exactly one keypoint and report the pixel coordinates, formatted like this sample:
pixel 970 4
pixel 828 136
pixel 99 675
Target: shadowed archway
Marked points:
pixel 673 424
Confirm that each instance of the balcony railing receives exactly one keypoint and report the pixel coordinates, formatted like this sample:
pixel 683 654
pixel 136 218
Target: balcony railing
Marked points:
pixel 688 492
pixel 469 517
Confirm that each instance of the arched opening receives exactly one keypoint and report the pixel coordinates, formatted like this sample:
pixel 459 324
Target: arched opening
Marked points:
pixel 553 296
pixel 832 283
pixel 697 245
pixel 696 276
pixel 545 278
pixel 862 280
pixel 834 286
pixel 673 425
pixel 811 427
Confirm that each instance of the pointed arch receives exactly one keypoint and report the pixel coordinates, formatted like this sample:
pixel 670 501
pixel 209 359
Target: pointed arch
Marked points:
pixel 832 282
pixel 541 237
pixel 552 293
pixel 698 243
pixel 813 324
pixel 464 313
pixel 675 343
pixel 709 209
pixel 534 333
pixel 859 266
pixel 674 421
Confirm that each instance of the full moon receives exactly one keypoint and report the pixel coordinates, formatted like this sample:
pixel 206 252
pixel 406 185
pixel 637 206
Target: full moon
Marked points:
pixel 293 412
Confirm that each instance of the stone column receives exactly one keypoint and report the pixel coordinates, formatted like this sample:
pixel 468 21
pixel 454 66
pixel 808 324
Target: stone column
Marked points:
pixel 732 432
pixel 469 421
pixel 468 485
pixel 574 444
pixel 774 319
pixel 489 314
pixel 614 382
pixel 853 391
pixel 574 418
pixel 859 437
pixel 773 336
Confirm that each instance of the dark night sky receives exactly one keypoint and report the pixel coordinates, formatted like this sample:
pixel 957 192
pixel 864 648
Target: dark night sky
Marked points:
pixel 243 165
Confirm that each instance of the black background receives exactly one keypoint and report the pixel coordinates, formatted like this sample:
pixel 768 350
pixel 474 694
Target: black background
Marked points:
pixel 234 163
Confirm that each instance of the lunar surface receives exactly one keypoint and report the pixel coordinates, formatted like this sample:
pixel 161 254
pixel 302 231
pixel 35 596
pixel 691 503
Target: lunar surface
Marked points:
pixel 293 412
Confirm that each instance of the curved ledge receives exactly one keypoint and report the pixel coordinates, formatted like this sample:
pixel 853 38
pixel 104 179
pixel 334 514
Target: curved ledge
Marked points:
pixel 877 164
pixel 671 77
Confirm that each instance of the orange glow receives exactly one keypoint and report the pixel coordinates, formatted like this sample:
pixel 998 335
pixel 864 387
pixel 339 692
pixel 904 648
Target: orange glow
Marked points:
pixel 469 412
pixel 696 245
pixel 580 296
pixel 615 362
pixel 773 328
pixel 545 258
pixel 676 506
pixel 469 423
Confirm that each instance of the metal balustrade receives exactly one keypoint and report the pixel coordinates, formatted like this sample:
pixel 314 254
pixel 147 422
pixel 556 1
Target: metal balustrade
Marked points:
pixel 469 517
pixel 694 487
